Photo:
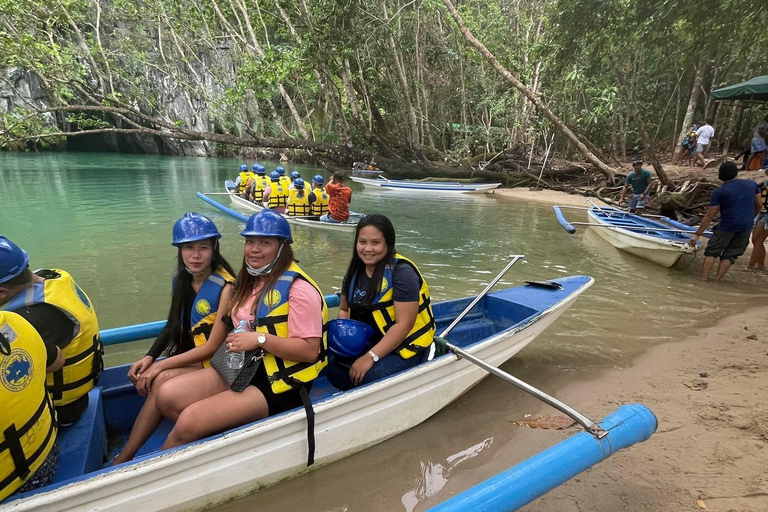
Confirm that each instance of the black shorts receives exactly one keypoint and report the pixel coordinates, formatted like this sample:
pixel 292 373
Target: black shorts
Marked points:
pixel 727 245
pixel 277 403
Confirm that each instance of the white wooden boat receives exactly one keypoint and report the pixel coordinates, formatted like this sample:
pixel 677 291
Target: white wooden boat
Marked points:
pixel 447 187
pixel 646 238
pixel 311 222
pixel 223 467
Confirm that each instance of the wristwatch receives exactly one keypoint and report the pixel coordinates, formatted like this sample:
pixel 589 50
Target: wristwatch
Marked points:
pixel 373 356
pixel 261 338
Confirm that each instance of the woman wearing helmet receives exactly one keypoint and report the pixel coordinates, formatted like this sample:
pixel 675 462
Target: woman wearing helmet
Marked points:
pixel 318 198
pixel 298 200
pixel 386 291
pixel 293 176
pixel 283 311
pixel 275 196
pixel 202 283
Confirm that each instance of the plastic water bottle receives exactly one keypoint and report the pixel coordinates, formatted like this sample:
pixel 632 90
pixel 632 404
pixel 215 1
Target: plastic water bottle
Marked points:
pixel 236 360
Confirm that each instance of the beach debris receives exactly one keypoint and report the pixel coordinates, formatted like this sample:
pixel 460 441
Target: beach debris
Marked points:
pixel 545 422
pixel 752 337
pixel 703 375
pixel 701 504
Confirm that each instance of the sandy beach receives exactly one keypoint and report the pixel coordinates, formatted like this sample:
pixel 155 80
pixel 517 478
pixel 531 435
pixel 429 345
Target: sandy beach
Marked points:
pixel 710 451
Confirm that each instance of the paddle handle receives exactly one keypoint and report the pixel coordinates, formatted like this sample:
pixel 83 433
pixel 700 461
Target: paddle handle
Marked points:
pixel 514 259
pixel 561 219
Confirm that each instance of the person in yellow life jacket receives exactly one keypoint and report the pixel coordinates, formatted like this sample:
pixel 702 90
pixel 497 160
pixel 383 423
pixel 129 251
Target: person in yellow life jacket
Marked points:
pixel 259 184
pixel 202 283
pixel 294 175
pixel 318 199
pixel 242 179
pixel 275 196
pixel 284 180
pixel 298 200
pixel 283 312
pixel 387 292
pixel 63 316
pixel 29 451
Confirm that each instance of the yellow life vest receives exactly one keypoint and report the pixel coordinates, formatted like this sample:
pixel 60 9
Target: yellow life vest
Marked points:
pixel 278 195
pixel 206 306
pixel 272 317
pixel 261 183
pixel 27 423
pixel 244 177
pixel 84 353
pixel 422 334
pixel 285 181
pixel 320 204
pixel 298 206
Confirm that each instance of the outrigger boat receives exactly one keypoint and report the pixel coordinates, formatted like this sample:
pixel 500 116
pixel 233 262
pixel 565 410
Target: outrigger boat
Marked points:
pixel 241 461
pixel 662 242
pixel 450 187
pixel 312 222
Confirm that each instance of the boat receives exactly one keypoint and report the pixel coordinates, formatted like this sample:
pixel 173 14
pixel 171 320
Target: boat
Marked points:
pixel 241 461
pixel 451 187
pixel 660 242
pixel 312 222
pixel 363 169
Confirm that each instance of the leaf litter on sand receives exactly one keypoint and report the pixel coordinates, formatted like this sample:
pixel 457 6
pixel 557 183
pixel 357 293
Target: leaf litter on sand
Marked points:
pixel 545 422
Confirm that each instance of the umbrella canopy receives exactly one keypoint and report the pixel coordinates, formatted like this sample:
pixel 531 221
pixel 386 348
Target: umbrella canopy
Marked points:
pixel 755 89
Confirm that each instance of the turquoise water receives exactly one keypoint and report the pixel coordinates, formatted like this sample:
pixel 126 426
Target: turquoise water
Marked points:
pixel 107 220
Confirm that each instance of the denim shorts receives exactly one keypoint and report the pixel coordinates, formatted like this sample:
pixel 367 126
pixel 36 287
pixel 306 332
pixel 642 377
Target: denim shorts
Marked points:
pixel 762 218
pixel 635 203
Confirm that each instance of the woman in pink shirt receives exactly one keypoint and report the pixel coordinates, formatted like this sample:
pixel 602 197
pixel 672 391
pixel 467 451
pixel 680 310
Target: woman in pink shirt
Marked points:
pixel 284 312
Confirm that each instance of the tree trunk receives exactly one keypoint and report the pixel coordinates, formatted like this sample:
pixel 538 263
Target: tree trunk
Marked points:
pixel 731 126
pixel 688 119
pixel 534 98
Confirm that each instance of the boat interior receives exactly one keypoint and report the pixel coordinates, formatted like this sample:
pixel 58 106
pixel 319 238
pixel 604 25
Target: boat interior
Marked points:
pixel 87 446
pixel 622 219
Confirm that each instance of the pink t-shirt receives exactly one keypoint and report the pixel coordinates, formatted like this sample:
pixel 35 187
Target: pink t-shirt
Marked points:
pixel 305 319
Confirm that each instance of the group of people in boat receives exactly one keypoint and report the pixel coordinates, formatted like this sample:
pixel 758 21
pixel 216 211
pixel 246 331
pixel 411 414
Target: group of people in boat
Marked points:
pixel 385 325
pixel 293 196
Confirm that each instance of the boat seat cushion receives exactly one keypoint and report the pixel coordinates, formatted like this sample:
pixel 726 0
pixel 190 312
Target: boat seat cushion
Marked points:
pixel 82 446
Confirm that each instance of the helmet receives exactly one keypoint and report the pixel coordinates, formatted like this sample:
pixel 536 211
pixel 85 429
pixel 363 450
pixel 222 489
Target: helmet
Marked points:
pixel 348 338
pixel 280 170
pixel 243 167
pixel 267 223
pixel 295 174
pixel 298 183
pixel 259 169
pixel 255 167
pixel 13 260
pixel 193 227
pixel 274 175
pixel 318 178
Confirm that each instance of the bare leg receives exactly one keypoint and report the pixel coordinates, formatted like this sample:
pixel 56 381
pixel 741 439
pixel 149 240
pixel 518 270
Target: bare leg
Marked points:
pixel 757 260
pixel 217 413
pixel 149 417
pixel 706 267
pixel 722 268
pixel 176 395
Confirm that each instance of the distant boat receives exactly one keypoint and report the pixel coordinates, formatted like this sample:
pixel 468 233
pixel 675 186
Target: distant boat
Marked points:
pixel 241 461
pixel 451 187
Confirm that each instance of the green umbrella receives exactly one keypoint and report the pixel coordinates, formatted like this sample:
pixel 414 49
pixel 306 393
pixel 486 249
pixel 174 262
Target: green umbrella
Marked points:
pixel 755 89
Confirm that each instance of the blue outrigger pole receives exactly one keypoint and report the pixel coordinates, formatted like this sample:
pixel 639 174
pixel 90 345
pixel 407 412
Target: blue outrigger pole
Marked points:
pixel 534 477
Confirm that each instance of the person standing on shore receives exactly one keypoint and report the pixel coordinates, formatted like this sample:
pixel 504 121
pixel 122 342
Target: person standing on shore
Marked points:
pixel 760 231
pixel 703 136
pixel 737 201
pixel 339 198
pixel 641 180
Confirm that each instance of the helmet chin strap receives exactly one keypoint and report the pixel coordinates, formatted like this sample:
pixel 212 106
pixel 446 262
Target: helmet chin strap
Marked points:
pixel 266 269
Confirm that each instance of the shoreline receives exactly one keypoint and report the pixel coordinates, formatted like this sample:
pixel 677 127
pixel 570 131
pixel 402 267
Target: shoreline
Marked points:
pixel 546 196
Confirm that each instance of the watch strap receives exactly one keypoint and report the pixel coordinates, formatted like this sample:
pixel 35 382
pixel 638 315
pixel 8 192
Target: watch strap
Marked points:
pixel 373 356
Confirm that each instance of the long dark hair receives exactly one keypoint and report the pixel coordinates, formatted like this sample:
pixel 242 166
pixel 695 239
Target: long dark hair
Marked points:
pixel 356 265
pixel 182 288
pixel 245 282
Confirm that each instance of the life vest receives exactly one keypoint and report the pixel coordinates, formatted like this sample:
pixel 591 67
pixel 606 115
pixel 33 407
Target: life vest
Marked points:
pixel 258 190
pixel 298 206
pixel 422 333
pixel 338 201
pixel 84 353
pixel 285 181
pixel 278 196
pixel 320 205
pixel 244 177
pixel 27 423
pixel 206 306
pixel 272 317
pixel 764 197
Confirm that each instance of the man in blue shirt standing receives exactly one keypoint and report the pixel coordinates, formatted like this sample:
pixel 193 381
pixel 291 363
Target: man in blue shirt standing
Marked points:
pixel 738 201
pixel 641 180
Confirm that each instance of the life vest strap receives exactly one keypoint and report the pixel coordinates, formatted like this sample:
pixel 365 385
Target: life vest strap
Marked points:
pixel 12 443
pixel 310 412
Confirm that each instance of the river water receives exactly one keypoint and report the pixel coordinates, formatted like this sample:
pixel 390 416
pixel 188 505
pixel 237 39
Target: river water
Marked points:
pixel 107 219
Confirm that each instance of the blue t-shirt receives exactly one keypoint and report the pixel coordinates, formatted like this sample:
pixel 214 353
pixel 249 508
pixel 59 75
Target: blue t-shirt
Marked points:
pixel 639 181
pixel 736 199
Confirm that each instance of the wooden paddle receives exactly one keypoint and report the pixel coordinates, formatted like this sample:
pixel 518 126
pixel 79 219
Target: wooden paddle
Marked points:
pixel 589 425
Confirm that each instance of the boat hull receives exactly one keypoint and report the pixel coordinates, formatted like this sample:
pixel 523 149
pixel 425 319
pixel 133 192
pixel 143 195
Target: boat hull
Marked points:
pixel 428 187
pixel 204 474
pixel 661 251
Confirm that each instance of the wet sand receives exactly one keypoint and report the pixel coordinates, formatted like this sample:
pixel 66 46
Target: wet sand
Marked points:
pixel 546 196
pixel 710 451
